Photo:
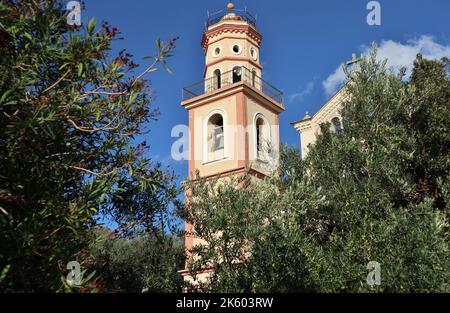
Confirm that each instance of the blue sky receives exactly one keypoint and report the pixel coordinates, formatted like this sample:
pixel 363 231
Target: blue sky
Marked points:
pixel 304 43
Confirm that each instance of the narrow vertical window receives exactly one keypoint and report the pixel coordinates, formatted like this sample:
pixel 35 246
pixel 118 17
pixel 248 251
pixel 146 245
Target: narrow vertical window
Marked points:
pixel 259 135
pixel 217 80
pixel 263 144
pixel 237 74
pixel 337 126
pixel 262 138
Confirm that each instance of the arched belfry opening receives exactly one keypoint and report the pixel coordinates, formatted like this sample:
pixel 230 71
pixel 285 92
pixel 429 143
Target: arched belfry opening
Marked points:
pixel 237 74
pixel 215 133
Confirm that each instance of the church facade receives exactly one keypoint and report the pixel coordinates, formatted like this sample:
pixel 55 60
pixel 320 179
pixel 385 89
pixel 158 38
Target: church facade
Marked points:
pixel 309 126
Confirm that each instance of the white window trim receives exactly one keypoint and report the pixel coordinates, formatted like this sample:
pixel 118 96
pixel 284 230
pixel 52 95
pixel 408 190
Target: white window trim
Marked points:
pixel 205 137
pixel 255 147
pixel 240 49
pixel 214 51
pixel 255 57
pixel 221 75
pixel 215 69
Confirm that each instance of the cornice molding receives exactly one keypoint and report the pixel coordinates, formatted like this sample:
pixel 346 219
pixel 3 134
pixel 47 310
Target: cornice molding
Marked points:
pixel 229 29
pixel 249 91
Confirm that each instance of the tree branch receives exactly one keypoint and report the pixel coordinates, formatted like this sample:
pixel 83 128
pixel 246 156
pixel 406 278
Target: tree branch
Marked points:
pixel 57 82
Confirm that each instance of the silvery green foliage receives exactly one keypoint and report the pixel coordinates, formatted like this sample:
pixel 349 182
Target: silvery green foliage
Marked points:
pixel 377 192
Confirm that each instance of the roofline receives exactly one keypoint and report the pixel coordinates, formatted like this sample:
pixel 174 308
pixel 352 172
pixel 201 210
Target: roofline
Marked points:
pixel 323 105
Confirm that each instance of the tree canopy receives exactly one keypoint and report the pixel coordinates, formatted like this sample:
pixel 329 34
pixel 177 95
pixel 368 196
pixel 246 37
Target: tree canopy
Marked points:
pixel 378 191
pixel 70 114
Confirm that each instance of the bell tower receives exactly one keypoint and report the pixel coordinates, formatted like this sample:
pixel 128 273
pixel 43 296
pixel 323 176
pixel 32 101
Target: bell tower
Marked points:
pixel 233 112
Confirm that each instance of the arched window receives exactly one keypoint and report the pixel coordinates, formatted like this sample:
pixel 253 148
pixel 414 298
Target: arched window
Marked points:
pixel 254 78
pixel 214 141
pixel 262 137
pixel 237 74
pixel 259 135
pixel 253 54
pixel 217 80
pixel 215 133
pixel 336 124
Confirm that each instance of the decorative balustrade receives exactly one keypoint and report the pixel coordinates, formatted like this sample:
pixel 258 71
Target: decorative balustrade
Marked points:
pixel 237 75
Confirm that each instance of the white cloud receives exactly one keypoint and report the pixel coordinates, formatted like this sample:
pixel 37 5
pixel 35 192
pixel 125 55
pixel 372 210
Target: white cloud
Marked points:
pixel 398 55
pixel 334 81
pixel 298 96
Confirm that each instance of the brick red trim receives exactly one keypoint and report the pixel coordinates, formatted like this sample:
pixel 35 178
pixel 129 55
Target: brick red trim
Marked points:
pixel 230 28
pixel 241 110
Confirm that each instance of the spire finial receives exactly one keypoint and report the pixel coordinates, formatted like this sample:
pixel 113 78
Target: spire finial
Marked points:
pixel 230 6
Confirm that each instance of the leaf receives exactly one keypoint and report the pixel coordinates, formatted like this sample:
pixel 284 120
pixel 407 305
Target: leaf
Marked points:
pixel 28 36
pixel 91 26
pixel 4 272
pixel 133 97
pixel 80 69
pixel 87 279
pixel 63 66
pixel 6 94
pixel 166 68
